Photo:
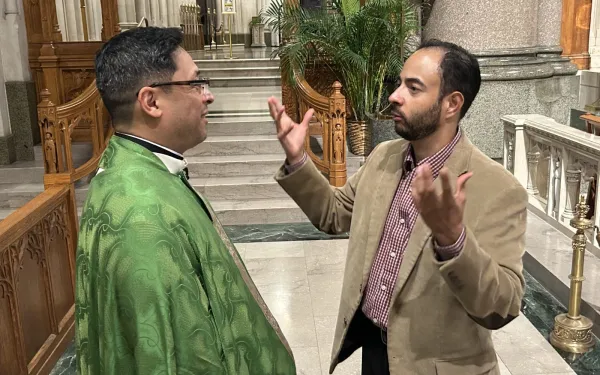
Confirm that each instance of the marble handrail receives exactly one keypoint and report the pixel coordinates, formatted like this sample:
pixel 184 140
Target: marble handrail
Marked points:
pixel 554 162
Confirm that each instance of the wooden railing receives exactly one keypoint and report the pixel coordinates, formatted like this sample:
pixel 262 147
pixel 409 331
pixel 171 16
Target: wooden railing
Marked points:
pixel 37 281
pixel 329 122
pixel 57 124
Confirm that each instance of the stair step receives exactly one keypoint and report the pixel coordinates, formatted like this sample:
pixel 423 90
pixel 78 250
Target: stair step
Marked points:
pixel 236 63
pixel 238 100
pixel 259 211
pixel 257 125
pixel 22 172
pixel 268 80
pixel 227 72
pixel 234 165
pixel 237 145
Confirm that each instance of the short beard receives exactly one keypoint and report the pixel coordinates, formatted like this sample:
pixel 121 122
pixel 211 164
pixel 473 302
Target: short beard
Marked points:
pixel 421 125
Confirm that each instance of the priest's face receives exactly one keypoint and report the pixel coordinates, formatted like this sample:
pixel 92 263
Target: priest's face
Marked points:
pixel 186 106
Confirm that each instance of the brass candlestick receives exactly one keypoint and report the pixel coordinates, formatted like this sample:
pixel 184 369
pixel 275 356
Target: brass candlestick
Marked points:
pixel 572 331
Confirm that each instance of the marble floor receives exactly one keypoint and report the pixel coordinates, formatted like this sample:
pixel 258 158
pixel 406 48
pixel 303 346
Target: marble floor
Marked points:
pixel 301 283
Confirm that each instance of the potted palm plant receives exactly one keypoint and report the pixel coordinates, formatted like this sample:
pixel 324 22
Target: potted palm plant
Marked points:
pixel 364 47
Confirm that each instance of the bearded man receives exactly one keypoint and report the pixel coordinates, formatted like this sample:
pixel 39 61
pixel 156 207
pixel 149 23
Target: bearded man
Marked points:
pixel 434 263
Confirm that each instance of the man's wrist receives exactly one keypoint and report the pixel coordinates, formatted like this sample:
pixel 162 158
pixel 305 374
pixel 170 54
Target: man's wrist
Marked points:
pixel 298 159
pixel 291 166
pixel 450 237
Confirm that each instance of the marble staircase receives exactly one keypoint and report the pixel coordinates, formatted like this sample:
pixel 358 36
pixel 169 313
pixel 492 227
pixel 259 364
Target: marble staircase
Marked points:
pixel 233 168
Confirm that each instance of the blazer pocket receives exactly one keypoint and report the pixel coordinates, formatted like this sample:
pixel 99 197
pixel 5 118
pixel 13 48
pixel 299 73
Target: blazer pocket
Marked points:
pixel 481 364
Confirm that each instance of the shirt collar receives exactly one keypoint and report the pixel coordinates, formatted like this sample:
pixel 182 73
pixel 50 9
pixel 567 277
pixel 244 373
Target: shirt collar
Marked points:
pixel 436 161
pixel 174 161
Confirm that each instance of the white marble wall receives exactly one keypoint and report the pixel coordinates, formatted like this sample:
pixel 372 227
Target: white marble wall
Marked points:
pixel 13 41
pixel 4 120
pixel 594 46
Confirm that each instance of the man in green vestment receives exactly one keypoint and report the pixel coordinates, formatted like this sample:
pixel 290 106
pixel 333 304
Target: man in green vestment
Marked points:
pixel 160 288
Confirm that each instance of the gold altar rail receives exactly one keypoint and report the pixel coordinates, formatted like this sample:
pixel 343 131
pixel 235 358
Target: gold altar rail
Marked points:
pixel 193 33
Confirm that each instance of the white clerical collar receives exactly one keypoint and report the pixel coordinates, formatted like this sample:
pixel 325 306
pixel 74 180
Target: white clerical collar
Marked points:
pixel 174 161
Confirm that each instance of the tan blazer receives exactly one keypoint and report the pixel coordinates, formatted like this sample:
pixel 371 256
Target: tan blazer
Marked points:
pixel 441 313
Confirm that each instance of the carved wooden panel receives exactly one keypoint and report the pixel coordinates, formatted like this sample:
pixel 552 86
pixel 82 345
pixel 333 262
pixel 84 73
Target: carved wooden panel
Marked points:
pixel 11 352
pixel 57 235
pixel 75 81
pixel 33 21
pixel 33 290
pixel 36 282
pixel 575 31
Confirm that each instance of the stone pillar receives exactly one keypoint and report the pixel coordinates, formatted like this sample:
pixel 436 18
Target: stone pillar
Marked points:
pixel 573 179
pixel 575 32
pixel 521 67
pixel 17 98
pixel 533 158
pixel 7 145
pixel 127 16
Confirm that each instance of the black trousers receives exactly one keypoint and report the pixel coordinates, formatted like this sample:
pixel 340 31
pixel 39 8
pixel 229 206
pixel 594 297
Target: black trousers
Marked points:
pixel 374 345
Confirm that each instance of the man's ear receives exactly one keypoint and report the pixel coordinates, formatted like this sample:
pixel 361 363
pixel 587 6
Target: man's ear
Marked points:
pixel 147 99
pixel 455 104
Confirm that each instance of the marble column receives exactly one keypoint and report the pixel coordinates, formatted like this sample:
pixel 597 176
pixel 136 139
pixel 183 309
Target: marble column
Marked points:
pixel 7 145
pixel 127 15
pixel 18 100
pixel 594 42
pixel 521 67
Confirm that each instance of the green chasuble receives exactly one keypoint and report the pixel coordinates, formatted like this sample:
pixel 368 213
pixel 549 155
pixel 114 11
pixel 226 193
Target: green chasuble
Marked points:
pixel 160 287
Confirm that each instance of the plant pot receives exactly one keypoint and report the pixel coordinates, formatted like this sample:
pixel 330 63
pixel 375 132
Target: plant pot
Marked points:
pixel 360 136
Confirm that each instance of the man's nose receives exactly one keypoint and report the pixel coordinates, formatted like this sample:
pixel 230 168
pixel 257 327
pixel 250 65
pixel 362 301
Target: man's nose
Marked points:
pixel 209 97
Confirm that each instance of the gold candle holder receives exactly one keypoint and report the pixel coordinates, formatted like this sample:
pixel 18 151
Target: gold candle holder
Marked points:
pixel 572 331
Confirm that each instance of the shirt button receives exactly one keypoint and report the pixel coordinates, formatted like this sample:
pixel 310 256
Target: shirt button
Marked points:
pixel 392 254
pixel 383 287
pixel 401 221
pixel 375 321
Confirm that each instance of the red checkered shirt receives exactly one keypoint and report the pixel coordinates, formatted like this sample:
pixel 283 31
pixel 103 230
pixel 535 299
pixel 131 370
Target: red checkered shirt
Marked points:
pixel 398 227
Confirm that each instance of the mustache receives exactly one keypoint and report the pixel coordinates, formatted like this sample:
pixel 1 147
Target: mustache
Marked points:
pixel 396 112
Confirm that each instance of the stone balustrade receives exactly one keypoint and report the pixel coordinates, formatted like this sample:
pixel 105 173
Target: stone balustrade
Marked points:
pixel 555 162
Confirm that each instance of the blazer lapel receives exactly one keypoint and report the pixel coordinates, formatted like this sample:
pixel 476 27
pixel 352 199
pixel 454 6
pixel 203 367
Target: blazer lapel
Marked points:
pixel 383 197
pixel 457 164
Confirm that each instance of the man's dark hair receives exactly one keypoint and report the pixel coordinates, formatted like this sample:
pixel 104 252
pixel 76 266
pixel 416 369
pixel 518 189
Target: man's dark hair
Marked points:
pixel 131 60
pixel 459 72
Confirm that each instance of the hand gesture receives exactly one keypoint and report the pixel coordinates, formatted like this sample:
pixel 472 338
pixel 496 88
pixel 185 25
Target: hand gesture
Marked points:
pixel 290 135
pixel 443 213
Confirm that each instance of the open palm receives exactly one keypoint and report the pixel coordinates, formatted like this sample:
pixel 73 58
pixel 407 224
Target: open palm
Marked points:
pixel 290 134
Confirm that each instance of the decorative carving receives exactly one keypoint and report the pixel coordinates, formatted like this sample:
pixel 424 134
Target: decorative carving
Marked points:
pixel 533 158
pixel 510 154
pixel 57 220
pixel 556 171
pixel 573 182
pixel 50 155
pixel 75 82
pixel 582 336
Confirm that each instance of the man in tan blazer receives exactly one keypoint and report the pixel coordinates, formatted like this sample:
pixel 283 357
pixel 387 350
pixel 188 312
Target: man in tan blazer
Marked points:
pixel 434 263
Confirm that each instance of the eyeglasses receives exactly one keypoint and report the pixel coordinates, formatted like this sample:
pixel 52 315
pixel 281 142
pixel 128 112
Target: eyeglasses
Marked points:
pixel 203 84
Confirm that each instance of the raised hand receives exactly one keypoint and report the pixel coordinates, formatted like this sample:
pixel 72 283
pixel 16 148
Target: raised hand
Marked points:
pixel 443 213
pixel 290 134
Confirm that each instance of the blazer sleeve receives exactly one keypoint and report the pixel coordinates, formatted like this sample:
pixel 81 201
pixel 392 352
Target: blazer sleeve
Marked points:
pixel 487 276
pixel 328 208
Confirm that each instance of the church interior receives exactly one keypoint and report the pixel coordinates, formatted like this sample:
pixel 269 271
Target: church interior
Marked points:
pixel 537 114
